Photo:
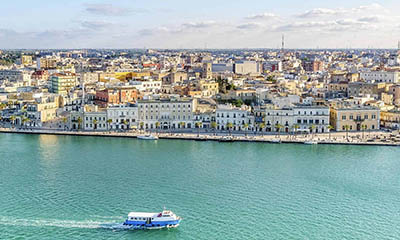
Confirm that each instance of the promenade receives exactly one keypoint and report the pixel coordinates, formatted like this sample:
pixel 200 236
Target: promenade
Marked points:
pixel 377 138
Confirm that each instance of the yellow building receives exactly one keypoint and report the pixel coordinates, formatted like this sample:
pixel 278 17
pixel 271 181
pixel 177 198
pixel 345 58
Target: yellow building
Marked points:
pixel 355 118
pixel 208 88
pixel 390 119
pixel 26 60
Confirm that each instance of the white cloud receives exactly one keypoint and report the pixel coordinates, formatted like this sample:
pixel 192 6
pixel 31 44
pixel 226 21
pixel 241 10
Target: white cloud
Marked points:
pixel 204 24
pixel 320 12
pixel 109 10
pixel 265 15
pixel 252 25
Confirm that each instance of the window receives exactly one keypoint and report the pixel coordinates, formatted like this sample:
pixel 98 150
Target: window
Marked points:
pixel 351 117
pixel 344 117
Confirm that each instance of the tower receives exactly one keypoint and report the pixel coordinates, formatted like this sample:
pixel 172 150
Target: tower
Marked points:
pixel 283 42
pixel 207 70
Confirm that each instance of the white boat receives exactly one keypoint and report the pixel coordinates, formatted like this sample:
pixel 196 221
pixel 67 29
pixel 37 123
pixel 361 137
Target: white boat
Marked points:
pixel 147 137
pixel 311 142
pixel 276 140
pixel 144 220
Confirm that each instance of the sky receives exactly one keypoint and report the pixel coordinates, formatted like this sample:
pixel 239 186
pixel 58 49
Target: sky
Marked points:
pixel 199 24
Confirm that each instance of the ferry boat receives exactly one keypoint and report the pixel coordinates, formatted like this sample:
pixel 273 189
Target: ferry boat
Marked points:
pixel 147 137
pixel 144 220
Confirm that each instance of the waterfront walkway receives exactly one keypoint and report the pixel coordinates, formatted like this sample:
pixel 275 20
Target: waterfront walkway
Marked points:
pixel 354 138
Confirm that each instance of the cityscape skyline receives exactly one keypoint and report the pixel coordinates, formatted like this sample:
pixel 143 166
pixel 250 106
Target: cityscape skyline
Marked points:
pixel 173 25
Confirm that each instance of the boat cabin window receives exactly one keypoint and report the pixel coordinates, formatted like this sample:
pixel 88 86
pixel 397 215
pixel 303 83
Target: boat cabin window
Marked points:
pixel 166 215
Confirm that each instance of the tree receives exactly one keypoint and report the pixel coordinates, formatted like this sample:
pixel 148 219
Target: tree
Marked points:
pixel 312 128
pixel 125 122
pixel 109 121
pixel 80 123
pixel 347 127
pixel 158 124
pixel 261 126
pixel 24 120
pixel 141 124
pixel 295 128
pixel 198 126
pixel 95 124
pixel 64 120
pixel 278 127
pixel 229 126
pixel 330 127
pixel 364 127
pixel 182 124
pixel 214 126
pixel 12 120
pixel 246 127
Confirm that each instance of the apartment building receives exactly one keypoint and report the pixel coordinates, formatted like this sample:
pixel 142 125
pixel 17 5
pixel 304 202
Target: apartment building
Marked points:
pixel 355 118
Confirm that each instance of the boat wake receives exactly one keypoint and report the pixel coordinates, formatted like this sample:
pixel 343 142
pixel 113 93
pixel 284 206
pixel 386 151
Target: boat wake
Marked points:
pixel 89 224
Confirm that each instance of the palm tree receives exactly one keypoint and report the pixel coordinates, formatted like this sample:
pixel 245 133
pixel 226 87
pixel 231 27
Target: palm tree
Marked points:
pixel 12 120
pixel 182 124
pixel 141 124
pixel 261 126
pixel 214 126
pixel 330 127
pixel 312 128
pixel 158 124
pixel 198 126
pixel 295 128
pixel 246 127
pixel 229 126
pixel 64 120
pixel 278 128
pixel 95 124
pixel 363 127
pixel 24 120
pixel 125 122
pixel 79 123
pixel 109 121
pixel 347 127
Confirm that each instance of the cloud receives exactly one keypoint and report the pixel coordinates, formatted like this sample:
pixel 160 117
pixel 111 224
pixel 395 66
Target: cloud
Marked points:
pixel 247 26
pixel 107 10
pixel 371 19
pixel 262 16
pixel 320 12
pixel 205 24
pixel 96 25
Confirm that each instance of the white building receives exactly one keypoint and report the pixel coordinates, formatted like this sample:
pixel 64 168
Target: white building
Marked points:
pixel 379 76
pixel 238 117
pixel 167 113
pixel 123 116
pixel 146 86
pixel 299 118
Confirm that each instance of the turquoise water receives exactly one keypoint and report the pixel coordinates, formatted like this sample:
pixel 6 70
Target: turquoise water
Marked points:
pixel 54 187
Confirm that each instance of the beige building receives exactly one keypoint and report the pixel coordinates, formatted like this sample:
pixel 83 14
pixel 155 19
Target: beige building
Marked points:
pixel 168 113
pixel 208 88
pixel 355 118
pixel 390 119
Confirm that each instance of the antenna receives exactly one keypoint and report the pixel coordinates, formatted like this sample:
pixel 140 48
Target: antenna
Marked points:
pixel 283 42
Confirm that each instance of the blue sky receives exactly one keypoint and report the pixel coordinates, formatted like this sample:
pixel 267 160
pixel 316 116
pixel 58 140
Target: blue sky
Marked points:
pixel 196 24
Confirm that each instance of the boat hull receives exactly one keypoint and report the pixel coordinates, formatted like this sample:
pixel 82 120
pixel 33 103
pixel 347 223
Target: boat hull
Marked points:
pixel 154 225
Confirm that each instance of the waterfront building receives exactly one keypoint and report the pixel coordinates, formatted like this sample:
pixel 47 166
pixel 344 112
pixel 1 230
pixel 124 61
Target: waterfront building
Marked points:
pixel 122 116
pixel 94 119
pixel 390 119
pixel 44 110
pixel 228 117
pixel 355 118
pixel 298 118
pixel 170 113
